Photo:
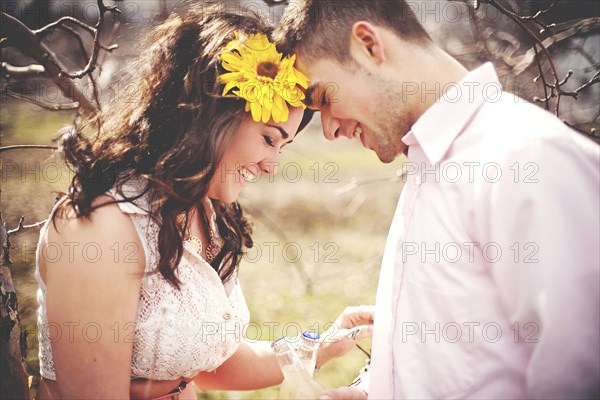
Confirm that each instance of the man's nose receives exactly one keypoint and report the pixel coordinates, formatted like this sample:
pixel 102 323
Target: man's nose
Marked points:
pixel 331 127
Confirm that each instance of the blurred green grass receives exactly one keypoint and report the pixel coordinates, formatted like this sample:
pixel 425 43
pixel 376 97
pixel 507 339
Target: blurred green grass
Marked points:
pixel 315 251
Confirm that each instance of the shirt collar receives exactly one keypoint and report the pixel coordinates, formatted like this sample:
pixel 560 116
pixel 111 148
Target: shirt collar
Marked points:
pixel 438 127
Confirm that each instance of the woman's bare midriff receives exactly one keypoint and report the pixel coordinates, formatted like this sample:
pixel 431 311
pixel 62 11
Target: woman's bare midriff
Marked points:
pixel 139 389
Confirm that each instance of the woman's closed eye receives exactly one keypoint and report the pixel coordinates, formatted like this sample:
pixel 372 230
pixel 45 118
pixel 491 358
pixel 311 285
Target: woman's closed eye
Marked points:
pixel 268 140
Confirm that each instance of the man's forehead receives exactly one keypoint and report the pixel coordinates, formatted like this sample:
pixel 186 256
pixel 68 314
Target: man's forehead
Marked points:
pixel 314 67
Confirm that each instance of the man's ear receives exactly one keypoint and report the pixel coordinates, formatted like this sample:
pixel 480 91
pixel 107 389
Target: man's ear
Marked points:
pixel 368 40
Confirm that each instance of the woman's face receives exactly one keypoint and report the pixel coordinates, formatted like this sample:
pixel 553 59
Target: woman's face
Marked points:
pixel 254 149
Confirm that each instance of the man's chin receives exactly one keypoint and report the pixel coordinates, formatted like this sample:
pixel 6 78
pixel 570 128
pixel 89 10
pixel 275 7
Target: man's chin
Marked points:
pixel 386 156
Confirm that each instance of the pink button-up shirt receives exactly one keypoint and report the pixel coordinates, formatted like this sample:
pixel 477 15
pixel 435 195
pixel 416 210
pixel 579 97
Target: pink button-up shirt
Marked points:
pixel 489 286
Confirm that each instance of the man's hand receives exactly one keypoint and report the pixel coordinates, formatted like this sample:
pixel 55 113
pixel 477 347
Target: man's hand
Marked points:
pixel 353 324
pixel 345 393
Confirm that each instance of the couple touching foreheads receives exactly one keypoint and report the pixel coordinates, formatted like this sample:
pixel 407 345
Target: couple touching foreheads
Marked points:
pixel 508 307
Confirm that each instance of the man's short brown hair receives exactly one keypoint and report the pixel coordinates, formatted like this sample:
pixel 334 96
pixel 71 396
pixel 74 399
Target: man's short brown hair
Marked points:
pixel 321 29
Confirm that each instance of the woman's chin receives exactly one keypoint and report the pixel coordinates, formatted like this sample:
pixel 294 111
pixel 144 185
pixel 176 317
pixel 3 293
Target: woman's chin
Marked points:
pixel 224 196
pixel 227 198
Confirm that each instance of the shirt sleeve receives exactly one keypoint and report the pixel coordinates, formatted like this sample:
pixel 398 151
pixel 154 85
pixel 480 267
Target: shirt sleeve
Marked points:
pixel 544 216
pixel 362 381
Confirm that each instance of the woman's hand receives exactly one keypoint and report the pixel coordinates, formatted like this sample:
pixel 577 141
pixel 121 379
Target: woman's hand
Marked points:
pixel 353 324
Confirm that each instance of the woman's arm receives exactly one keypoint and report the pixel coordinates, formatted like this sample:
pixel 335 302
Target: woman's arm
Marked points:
pixel 92 296
pixel 254 366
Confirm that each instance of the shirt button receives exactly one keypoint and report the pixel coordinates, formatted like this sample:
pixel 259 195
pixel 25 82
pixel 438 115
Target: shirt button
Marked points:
pixel 417 181
pixel 227 316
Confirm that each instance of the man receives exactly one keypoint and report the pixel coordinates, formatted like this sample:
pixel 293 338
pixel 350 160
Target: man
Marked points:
pixel 489 286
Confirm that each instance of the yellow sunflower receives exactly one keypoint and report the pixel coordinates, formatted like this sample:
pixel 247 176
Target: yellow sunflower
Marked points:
pixel 258 73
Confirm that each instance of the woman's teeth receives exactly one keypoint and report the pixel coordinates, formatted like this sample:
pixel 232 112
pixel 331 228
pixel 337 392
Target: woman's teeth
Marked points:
pixel 247 174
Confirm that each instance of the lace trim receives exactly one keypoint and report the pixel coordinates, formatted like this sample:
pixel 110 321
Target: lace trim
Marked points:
pixel 177 333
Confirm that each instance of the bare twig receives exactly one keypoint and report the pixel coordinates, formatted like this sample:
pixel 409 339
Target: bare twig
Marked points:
pixel 61 24
pixel 96 48
pixel 79 40
pixel 555 86
pixel 27 146
pixel 562 33
pixel 575 93
pixel 355 182
pixel 85 55
pixel 541 75
pixel 12 71
pixel 591 134
pixel 21 227
pixel 536 18
pixel 111 38
pixel 94 30
pixel 45 63
pixel 517 19
pixel 21 37
pixel 43 104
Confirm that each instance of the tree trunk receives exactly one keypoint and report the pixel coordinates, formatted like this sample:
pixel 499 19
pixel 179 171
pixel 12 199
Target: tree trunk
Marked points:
pixel 14 380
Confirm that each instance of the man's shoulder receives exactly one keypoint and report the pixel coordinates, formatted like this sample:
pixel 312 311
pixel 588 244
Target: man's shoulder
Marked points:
pixel 512 123
pixel 519 119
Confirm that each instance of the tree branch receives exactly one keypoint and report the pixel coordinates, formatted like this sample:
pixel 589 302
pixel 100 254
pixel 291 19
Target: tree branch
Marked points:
pixel 61 24
pixel 21 227
pixel 575 93
pixel 10 71
pixel 91 65
pixel 43 104
pixel 582 26
pixel 517 19
pixel 21 37
pixel 27 146
pixel 355 182
pixel 85 55
pixel 556 90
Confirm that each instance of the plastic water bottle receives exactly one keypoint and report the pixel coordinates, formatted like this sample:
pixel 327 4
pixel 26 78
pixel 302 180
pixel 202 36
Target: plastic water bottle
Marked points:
pixel 297 383
pixel 307 350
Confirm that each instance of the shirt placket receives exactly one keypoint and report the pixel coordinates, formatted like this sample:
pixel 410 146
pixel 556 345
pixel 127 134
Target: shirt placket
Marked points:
pixel 413 188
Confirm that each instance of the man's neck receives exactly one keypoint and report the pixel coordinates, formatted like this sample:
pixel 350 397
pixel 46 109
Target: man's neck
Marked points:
pixel 437 72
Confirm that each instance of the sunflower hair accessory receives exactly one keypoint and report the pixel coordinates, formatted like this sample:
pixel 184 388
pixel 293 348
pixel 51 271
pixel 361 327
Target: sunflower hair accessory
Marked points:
pixel 258 73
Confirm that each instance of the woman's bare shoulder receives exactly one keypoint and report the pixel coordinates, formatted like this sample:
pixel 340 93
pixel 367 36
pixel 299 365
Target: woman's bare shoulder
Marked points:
pixel 107 236
pixel 94 268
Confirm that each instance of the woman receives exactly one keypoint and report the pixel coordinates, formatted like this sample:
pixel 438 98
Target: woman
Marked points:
pixel 144 297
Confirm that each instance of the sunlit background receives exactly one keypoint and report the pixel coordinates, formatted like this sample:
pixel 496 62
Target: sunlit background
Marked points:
pixel 318 241
pixel 320 224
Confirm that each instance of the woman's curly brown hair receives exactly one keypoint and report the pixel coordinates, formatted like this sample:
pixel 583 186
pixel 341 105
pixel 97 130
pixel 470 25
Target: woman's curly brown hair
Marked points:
pixel 173 135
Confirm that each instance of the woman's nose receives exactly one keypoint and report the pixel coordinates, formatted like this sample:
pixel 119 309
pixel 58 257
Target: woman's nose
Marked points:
pixel 270 165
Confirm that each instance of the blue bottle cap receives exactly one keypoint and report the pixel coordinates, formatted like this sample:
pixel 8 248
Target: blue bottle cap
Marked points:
pixel 281 338
pixel 282 342
pixel 311 335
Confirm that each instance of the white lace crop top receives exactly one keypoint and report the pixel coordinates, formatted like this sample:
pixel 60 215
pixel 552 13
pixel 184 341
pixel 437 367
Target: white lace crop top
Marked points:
pixel 177 333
